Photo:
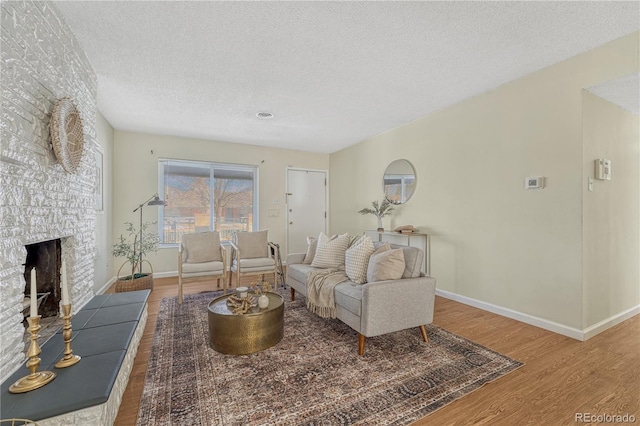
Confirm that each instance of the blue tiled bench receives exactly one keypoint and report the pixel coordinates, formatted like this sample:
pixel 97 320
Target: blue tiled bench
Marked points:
pixel 106 334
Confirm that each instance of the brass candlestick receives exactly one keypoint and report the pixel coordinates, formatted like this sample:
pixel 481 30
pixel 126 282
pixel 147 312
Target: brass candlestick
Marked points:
pixel 36 379
pixel 69 359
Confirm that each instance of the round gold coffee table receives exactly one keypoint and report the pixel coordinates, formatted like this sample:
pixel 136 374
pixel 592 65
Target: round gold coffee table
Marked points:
pixel 243 334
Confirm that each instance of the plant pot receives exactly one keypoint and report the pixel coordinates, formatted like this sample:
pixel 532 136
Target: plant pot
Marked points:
pixel 138 281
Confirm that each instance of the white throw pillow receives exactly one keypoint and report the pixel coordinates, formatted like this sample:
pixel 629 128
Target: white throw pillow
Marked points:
pixel 330 251
pixel 357 259
pixel 386 265
pixel 312 245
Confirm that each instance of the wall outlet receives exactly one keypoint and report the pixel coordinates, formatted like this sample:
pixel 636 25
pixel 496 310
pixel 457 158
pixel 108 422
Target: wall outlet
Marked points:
pixel 590 184
pixel 276 201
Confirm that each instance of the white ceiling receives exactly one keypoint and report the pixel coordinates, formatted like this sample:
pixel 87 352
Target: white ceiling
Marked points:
pixel 333 73
pixel 623 91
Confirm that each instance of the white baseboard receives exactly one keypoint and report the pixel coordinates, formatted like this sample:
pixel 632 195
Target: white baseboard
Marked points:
pixel 165 274
pixel 574 333
pixel 106 286
pixel 605 324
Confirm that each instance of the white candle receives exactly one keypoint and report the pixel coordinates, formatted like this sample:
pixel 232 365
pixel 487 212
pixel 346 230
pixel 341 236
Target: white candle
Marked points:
pixel 34 294
pixel 65 289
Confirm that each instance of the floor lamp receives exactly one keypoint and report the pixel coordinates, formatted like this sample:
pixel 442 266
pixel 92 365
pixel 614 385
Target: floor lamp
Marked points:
pixel 154 200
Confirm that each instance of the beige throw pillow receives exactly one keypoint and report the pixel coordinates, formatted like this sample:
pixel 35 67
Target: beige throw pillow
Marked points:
pixel 357 259
pixel 330 251
pixel 252 245
pixel 312 244
pixel 386 265
pixel 384 247
pixel 202 247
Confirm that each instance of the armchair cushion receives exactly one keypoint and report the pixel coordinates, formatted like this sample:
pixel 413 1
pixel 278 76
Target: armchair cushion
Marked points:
pixel 252 244
pixel 257 262
pixel 196 268
pixel 387 265
pixel 202 247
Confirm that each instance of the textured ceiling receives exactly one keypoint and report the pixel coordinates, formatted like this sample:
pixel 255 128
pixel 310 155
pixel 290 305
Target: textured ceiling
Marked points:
pixel 333 73
pixel 623 91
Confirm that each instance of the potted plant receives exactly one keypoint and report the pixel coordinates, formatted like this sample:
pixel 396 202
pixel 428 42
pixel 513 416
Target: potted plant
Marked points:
pixel 134 248
pixel 380 210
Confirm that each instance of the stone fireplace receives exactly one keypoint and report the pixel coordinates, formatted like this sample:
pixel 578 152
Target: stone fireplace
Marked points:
pixel 39 201
pixel 45 257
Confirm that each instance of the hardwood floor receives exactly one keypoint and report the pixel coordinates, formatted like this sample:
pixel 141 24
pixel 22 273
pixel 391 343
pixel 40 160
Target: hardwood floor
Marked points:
pixel 561 376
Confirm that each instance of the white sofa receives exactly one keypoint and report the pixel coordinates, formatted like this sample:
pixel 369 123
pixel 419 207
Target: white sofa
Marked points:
pixel 377 308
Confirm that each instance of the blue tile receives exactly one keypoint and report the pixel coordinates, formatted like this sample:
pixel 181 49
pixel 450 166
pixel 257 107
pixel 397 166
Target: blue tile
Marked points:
pixel 116 314
pixel 96 302
pixel 83 385
pixel 103 339
pixel 128 297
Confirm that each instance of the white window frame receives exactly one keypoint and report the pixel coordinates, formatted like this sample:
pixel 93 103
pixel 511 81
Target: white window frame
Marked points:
pixel 212 167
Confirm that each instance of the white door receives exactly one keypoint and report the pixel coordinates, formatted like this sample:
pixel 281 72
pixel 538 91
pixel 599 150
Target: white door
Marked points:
pixel 306 207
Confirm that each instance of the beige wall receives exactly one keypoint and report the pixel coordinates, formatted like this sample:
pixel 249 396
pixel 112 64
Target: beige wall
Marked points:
pixel 494 241
pixel 104 219
pixel 611 218
pixel 136 179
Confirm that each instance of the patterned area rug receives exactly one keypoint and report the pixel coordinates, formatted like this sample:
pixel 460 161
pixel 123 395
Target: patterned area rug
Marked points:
pixel 314 376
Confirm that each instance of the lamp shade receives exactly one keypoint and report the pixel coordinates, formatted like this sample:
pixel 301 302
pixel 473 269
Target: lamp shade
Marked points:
pixel 157 202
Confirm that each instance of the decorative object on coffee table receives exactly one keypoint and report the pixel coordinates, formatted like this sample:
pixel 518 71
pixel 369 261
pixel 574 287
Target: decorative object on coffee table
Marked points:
pixel 240 304
pixel 67 134
pixel 259 289
pixel 379 210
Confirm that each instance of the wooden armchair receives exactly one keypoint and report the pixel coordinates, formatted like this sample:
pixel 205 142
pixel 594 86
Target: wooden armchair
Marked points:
pixel 252 255
pixel 200 255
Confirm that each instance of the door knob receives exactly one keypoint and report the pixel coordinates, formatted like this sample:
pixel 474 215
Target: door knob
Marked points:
pixel 290 223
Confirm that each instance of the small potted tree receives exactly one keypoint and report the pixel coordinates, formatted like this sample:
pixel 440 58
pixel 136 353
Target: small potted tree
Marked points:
pixel 134 248
pixel 379 210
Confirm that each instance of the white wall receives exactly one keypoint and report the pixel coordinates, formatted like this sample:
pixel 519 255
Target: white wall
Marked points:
pixel 104 218
pixel 494 241
pixel 611 218
pixel 136 179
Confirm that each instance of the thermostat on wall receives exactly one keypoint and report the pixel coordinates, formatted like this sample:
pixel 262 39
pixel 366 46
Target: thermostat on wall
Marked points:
pixel 534 182
pixel 603 169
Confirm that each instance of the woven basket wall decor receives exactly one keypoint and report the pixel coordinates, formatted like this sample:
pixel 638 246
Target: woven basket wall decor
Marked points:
pixel 67 134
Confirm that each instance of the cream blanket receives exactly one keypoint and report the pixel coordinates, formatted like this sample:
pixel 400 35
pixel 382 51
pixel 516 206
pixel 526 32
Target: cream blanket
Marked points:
pixel 320 285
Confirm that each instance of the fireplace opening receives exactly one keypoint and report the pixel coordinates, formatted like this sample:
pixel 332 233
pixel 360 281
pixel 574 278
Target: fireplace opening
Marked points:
pixel 46 257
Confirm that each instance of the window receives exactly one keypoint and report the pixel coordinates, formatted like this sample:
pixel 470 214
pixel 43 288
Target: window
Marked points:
pixel 204 196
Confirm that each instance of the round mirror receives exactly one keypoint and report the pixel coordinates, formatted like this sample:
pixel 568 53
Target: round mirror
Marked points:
pixel 399 182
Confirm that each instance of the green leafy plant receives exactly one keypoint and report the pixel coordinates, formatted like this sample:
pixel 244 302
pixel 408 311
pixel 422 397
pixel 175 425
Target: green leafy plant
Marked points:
pixel 379 210
pixel 135 249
